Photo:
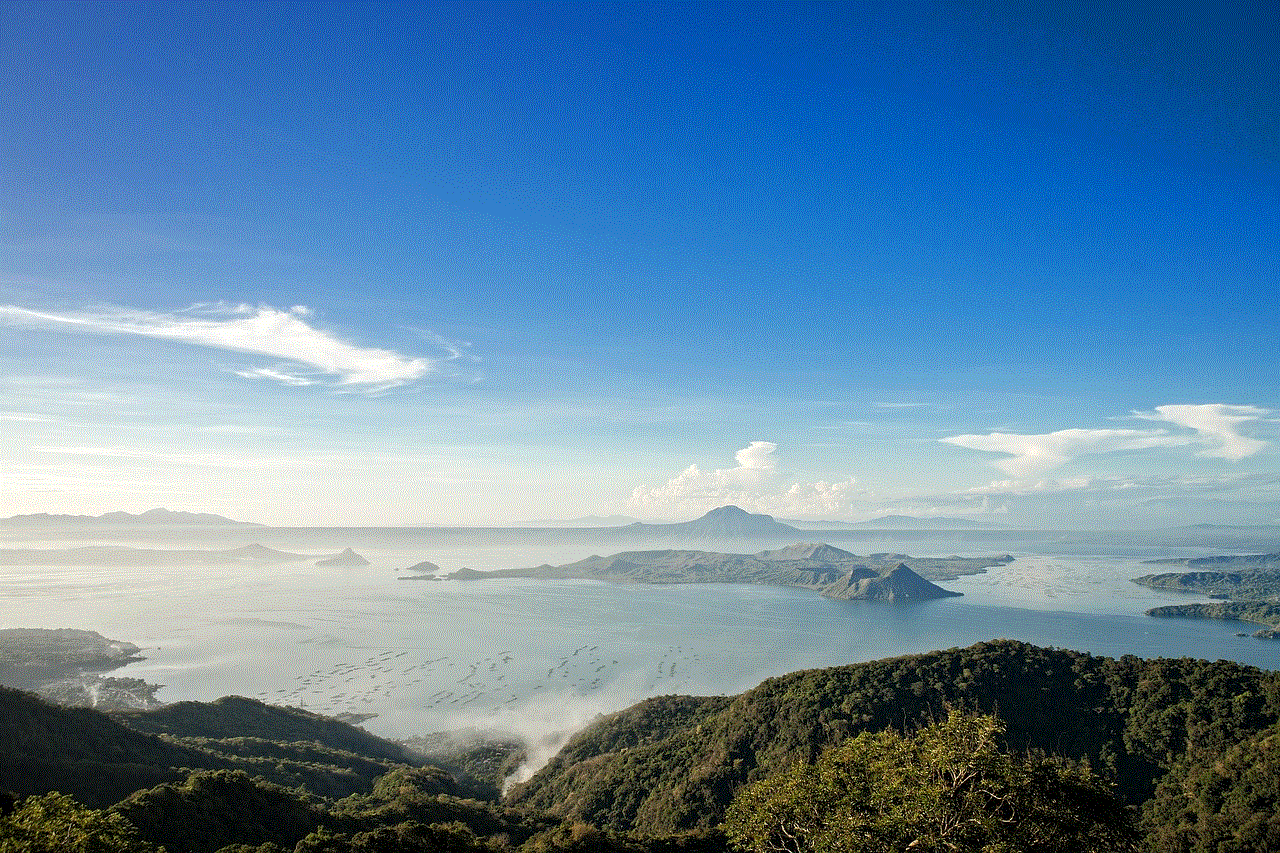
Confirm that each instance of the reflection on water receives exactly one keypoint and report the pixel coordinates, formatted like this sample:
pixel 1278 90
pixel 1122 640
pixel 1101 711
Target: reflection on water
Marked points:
pixel 537 656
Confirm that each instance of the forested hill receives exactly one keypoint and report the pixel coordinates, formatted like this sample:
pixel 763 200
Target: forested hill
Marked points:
pixel 100 760
pixel 1194 745
pixel 670 764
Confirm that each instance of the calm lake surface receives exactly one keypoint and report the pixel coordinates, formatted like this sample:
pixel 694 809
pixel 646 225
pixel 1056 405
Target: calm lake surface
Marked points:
pixel 536 657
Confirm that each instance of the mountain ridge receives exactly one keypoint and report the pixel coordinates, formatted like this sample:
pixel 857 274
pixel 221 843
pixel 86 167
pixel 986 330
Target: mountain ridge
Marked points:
pixel 157 516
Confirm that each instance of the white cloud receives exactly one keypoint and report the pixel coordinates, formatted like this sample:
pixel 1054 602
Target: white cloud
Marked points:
pixel 196 459
pixel 275 376
pixel 1149 484
pixel 1037 454
pixel 1216 426
pixel 753 485
pixel 261 330
pixel 757 456
pixel 1044 486
pixel 811 500
pixel 27 417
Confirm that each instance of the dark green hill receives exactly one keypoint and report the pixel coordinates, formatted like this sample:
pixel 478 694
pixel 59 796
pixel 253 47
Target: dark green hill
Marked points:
pixel 81 752
pixel 238 717
pixel 674 765
pixel 99 760
pixel 1258 585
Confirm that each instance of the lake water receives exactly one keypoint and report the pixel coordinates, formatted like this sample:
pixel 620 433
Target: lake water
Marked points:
pixel 540 657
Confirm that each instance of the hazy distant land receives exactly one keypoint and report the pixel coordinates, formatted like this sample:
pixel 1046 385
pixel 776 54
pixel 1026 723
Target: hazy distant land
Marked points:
pixel 156 516
pixel 119 555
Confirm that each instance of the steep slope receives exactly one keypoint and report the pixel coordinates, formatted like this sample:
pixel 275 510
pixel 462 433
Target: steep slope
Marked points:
pixel 896 584
pixel 81 752
pixel 346 558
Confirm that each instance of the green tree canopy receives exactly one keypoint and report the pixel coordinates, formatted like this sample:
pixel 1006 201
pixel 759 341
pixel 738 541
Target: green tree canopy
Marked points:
pixel 1226 802
pixel 948 788
pixel 55 823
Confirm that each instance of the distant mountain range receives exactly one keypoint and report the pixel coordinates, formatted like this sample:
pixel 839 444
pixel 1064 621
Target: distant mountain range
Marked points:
pixel 900 522
pixel 586 521
pixel 734 522
pixel 158 516
pixel 118 555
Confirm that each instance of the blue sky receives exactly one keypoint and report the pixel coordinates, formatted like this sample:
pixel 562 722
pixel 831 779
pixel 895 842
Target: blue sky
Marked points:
pixel 480 263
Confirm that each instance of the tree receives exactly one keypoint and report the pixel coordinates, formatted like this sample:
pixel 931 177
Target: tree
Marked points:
pixel 1224 802
pixel 949 788
pixel 55 823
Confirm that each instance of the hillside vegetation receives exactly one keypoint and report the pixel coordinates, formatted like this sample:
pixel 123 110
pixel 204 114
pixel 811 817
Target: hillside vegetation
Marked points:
pixel 1191 744
pixel 668 765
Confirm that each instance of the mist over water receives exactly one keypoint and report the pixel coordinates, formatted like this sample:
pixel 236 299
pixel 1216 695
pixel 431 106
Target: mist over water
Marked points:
pixel 541 658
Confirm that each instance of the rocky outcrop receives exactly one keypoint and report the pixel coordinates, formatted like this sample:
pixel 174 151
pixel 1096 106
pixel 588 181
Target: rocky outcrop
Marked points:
pixel 899 583
pixel 346 558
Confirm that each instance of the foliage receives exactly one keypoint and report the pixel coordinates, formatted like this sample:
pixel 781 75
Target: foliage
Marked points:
pixel 658 777
pixel 1220 803
pixel 410 795
pixel 1258 612
pixel 55 823
pixel 210 810
pixel 640 771
pixel 99 761
pixel 479 762
pixel 950 787
pixel 238 717
pixel 1244 586
pixel 401 838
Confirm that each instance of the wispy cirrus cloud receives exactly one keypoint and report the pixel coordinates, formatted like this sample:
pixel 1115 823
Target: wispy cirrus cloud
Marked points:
pixel 312 355
pixel 1037 454
pixel 1214 427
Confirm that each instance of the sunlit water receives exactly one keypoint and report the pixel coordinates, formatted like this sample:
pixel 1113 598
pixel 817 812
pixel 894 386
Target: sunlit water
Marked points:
pixel 546 656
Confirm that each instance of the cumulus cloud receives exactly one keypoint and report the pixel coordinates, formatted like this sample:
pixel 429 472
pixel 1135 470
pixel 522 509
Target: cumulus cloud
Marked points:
pixel 311 353
pixel 757 456
pixel 1216 426
pixel 755 484
pixel 1037 454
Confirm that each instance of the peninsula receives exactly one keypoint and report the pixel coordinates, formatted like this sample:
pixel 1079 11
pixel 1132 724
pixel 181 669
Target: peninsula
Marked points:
pixel 1248 584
